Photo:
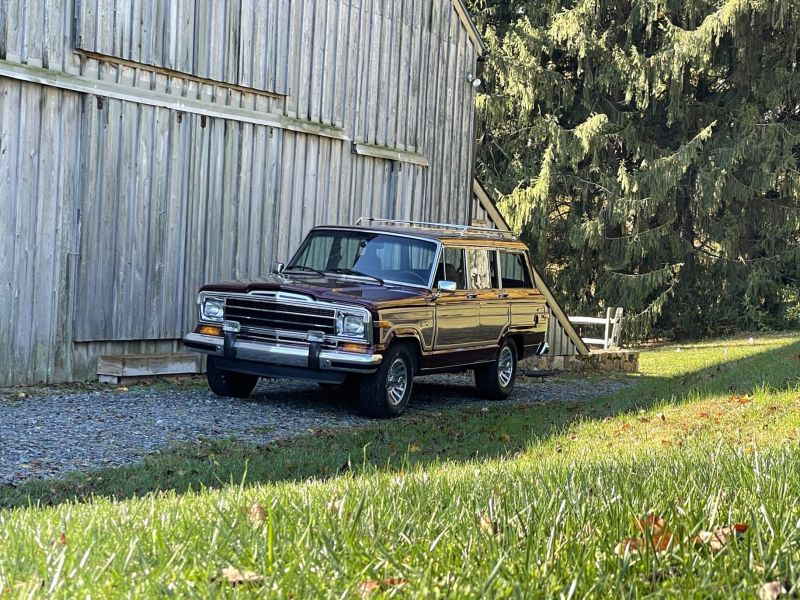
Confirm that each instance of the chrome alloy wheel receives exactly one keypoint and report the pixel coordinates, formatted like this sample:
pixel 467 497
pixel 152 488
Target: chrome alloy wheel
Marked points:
pixel 397 382
pixel 505 366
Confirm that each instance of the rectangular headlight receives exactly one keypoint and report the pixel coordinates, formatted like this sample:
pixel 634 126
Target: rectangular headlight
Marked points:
pixel 212 309
pixel 351 325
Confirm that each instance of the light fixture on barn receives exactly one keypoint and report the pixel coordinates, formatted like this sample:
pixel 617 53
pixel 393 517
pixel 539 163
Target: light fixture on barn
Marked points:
pixel 475 81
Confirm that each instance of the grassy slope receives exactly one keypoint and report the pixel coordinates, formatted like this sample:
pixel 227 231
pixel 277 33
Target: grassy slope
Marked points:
pixel 706 437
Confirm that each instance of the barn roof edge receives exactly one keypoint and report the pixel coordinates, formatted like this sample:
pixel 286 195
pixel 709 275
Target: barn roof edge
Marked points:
pixel 469 25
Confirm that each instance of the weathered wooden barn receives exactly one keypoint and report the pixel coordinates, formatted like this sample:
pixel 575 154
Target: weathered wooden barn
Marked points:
pixel 149 146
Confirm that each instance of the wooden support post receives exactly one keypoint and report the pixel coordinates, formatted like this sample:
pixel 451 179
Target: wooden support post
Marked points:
pixel 616 334
pixel 606 342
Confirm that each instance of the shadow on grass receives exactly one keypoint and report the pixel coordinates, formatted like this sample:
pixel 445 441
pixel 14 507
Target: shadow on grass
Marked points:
pixel 427 435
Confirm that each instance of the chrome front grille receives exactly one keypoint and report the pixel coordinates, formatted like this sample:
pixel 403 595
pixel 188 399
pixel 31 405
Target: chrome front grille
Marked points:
pixel 267 316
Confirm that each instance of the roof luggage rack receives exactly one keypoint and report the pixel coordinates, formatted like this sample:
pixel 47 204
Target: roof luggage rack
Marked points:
pixel 463 230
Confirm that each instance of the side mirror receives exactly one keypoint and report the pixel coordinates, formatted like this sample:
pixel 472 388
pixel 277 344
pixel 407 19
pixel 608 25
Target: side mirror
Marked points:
pixel 277 268
pixel 447 287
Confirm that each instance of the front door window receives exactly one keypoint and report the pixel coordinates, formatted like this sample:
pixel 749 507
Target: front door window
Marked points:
pixel 452 268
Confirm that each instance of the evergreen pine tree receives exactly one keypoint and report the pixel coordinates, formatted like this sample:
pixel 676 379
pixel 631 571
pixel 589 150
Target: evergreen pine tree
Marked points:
pixel 648 151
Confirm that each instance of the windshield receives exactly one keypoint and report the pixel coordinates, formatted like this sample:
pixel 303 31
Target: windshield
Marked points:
pixel 379 256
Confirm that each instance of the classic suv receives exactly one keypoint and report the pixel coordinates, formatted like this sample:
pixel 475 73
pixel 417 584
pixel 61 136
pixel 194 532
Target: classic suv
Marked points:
pixel 371 306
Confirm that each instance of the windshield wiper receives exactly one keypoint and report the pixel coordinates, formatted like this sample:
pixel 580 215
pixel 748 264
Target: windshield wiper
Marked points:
pixel 300 268
pixel 356 274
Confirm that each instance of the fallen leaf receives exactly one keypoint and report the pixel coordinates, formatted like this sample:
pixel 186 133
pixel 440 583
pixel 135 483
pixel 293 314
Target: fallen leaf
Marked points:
pixel 656 536
pixel 741 399
pixel 661 543
pixel 630 545
pixel 488 526
pixel 716 540
pixel 236 577
pixel 122 389
pixel 658 543
pixel 626 427
pixel 771 590
pixel 704 415
pixel 365 588
pixel 653 524
pixel 504 437
pixel 414 449
pixel 257 514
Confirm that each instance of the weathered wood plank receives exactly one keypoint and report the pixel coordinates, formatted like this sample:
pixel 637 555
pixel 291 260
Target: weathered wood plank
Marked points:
pixel 148 365
pixel 248 209
pixel 10 123
pixel 47 246
pixel 23 342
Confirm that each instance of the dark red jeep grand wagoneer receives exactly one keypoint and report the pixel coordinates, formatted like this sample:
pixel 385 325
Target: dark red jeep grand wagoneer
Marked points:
pixel 371 306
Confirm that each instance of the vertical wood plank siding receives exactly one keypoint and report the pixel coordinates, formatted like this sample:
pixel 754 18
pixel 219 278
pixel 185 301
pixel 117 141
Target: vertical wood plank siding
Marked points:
pixel 209 39
pixel 114 210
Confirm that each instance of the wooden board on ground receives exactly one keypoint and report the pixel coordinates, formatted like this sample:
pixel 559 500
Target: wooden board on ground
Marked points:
pixel 116 369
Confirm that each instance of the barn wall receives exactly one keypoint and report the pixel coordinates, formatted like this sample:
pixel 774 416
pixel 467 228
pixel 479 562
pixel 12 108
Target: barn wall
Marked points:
pixel 39 203
pixel 133 168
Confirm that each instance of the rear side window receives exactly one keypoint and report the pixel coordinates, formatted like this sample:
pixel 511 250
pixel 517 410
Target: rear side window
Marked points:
pixel 514 271
pixel 483 269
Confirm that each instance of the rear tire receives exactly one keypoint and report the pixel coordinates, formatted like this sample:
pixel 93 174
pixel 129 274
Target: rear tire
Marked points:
pixel 385 393
pixel 228 383
pixel 495 381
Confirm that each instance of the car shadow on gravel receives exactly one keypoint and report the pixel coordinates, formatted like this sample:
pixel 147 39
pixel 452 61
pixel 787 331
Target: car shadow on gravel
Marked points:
pixel 435 392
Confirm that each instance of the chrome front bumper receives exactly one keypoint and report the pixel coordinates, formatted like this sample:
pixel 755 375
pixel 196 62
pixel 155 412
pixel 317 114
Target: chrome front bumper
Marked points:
pixel 284 355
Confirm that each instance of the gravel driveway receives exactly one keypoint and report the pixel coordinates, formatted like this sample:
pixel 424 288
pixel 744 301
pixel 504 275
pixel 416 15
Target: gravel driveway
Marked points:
pixel 50 436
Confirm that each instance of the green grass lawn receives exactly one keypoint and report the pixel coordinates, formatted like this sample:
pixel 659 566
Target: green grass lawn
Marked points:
pixel 516 501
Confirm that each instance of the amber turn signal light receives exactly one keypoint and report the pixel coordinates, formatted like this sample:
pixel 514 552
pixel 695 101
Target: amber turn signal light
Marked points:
pixel 353 348
pixel 210 330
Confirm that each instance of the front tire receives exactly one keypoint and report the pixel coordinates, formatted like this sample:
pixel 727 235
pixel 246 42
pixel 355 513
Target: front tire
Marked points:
pixel 228 383
pixel 495 381
pixel 385 393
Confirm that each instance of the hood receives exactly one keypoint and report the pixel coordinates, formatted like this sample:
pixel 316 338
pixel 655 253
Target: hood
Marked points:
pixel 328 288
